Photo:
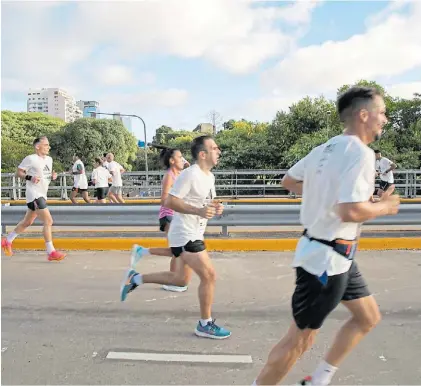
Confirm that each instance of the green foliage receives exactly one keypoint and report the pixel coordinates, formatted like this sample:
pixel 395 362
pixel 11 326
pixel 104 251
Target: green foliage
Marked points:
pixel 87 137
pixel 12 154
pixel 90 138
pixel 25 127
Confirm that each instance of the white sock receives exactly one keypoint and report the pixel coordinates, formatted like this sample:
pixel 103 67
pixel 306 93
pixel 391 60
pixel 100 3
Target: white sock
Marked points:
pixel 11 237
pixel 323 374
pixel 204 322
pixel 254 383
pixel 138 279
pixel 50 247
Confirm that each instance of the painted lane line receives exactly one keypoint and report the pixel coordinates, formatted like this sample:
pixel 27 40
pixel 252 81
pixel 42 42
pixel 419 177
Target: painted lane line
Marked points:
pixel 193 358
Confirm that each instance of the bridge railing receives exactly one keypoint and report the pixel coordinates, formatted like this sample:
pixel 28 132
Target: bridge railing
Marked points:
pixel 229 183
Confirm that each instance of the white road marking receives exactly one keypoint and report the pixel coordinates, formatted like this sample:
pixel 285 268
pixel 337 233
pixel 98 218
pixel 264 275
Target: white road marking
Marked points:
pixel 195 358
pixel 3 349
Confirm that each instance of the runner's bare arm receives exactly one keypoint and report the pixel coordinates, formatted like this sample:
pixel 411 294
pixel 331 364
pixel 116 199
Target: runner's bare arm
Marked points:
pixel 21 173
pixel 167 183
pixel 292 184
pixel 180 206
pixel 362 211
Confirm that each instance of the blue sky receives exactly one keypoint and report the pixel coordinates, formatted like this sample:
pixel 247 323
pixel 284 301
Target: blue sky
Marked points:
pixel 172 62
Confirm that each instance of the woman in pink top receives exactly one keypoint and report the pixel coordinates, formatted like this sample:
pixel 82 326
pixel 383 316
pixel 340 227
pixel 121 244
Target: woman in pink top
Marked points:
pixel 173 161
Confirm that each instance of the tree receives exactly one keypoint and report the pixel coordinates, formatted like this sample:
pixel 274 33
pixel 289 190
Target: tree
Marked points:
pixel 25 127
pixel 18 132
pixel 90 138
pixel 162 134
pixel 12 153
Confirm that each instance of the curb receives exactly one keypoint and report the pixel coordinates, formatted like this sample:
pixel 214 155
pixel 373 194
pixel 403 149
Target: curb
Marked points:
pixel 125 244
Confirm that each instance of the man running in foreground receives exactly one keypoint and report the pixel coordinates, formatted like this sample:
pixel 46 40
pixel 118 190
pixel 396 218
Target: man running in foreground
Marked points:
pixel 192 197
pixel 37 170
pixel 336 180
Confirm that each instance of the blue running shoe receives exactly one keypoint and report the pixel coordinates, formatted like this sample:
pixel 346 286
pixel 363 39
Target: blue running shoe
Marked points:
pixel 137 254
pixel 212 331
pixel 128 284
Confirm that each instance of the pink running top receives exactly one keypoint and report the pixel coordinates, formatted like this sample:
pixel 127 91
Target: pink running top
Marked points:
pixel 163 211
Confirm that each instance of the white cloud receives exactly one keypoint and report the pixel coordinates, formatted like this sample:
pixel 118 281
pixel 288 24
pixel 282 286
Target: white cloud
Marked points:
pixel 235 35
pixel 114 75
pixel 126 102
pixel 404 90
pixel 388 49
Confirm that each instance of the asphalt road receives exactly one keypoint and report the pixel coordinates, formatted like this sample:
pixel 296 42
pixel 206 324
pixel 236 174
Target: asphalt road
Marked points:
pixel 60 320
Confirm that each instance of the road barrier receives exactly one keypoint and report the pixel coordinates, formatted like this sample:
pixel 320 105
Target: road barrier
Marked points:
pixel 147 215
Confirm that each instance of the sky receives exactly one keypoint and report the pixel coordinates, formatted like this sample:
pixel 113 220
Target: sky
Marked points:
pixel 172 62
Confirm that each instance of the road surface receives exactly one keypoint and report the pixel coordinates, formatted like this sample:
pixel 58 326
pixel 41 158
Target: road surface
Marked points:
pixel 60 321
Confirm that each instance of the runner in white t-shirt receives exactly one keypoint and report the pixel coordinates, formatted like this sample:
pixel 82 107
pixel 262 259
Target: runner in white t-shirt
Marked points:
pixel 384 169
pixel 100 177
pixel 116 189
pixel 80 181
pixel 37 170
pixel 192 197
pixel 336 181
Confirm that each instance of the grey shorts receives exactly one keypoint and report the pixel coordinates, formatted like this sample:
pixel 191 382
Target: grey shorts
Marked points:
pixel 116 190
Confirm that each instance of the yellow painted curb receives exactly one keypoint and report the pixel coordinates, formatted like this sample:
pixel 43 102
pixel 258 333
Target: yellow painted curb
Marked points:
pixel 101 244
pixel 225 200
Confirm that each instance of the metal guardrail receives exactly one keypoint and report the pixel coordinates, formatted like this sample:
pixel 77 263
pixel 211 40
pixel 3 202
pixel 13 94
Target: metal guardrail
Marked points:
pixel 234 215
pixel 233 183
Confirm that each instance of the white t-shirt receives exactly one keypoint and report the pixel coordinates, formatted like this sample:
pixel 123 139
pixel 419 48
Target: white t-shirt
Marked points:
pixel 37 166
pixel 101 176
pixel 116 168
pixel 339 171
pixel 382 165
pixel 80 180
pixel 195 188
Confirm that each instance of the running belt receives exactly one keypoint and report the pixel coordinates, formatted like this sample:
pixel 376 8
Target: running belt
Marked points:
pixel 345 248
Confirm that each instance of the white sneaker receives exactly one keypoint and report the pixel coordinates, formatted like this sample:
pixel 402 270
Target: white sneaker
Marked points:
pixel 174 288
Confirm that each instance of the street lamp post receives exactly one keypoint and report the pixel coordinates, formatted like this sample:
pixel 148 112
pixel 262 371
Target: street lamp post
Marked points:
pixel 93 114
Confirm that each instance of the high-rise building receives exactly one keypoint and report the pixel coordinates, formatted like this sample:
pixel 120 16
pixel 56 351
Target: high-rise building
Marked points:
pixel 53 101
pixel 88 107
pixel 126 121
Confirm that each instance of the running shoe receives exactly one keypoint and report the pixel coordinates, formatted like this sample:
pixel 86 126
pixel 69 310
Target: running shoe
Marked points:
pixel 306 381
pixel 137 254
pixel 212 331
pixel 7 247
pixel 128 284
pixel 174 288
pixel 56 256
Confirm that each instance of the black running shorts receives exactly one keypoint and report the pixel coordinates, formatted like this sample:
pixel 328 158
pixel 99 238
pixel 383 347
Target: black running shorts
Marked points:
pixel 191 246
pixel 101 193
pixel 163 221
pixel 312 302
pixel 384 185
pixel 38 203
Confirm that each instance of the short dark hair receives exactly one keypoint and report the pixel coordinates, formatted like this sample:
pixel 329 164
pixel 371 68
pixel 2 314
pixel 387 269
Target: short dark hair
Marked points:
pixel 353 98
pixel 37 140
pixel 377 151
pixel 198 145
pixel 98 160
